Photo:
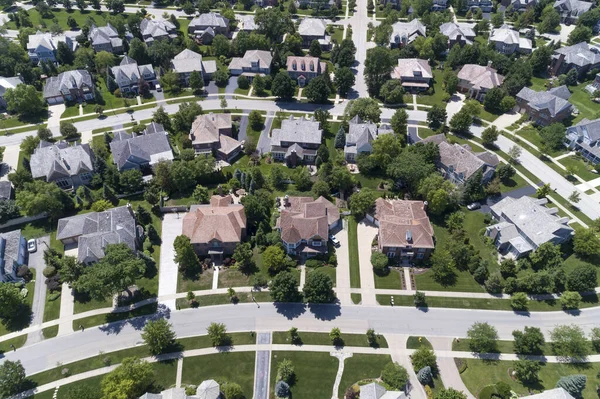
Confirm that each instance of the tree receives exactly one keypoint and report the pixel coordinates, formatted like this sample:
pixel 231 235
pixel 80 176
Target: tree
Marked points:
pixel 23 100
pixel 543 191
pixel 115 272
pixel 395 376
pixel 367 109
pixel 285 371
pixel 378 66
pixel 38 196
pixel 185 256
pixel 489 135
pixel 201 194
pixel 436 116
pixel 314 49
pixel 483 338
pixel 450 393
pixel 340 138
pixel 519 301
pixel 274 259
pixel 68 130
pixel 29 145
pixel 586 243
pixel 386 148
pixel 282 389
pixel 44 133
pixel 243 257
pixel 217 332
pixel 64 53
pixel 461 122
pixel 424 357
pixel 372 338
pixel 380 262
pixel 579 34
pixel 530 341
pixel 493 98
pixel 505 172
pixel 335 335
pixel 283 86
pixel 318 288
pixel 540 59
pixel 273 23
pixel 284 287
pixel 570 300
pixel 131 181
pixel 12 377
pixel 196 81
pixel 575 197
pixel 507 104
pixel 514 153
pixel 419 298
pixel 569 341
pixel 552 136
pixel 361 202
pixel 443 267
pixel 256 120
pixel 243 82
pixel 317 90
pixel 493 284
pixel 573 384
pixel 138 51
pixel 303 179
pixel 546 256
pixel 527 371
pixel 550 20
pixel 580 278
pixel 425 376
pixel 392 92
pixel 130 379
pixel 170 82
pixel 343 80
pixel 158 336
pixel 399 122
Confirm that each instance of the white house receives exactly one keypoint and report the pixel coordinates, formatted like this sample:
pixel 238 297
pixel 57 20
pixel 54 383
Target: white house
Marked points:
pixel 128 74
pixel 43 46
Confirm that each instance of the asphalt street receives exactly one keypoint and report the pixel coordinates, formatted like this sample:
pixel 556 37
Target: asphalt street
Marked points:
pixel 281 317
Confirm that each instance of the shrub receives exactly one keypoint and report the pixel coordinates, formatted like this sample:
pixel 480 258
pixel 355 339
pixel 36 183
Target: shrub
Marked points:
pixel 503 389
pixel 461 365
pixel 424 375
pixel 314 263
pixel 49 271
pixel 379 262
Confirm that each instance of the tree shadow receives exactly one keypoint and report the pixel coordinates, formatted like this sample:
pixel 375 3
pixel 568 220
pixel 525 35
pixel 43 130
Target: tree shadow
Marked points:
pixel 325 311
pixel 22 319
pixel 290 310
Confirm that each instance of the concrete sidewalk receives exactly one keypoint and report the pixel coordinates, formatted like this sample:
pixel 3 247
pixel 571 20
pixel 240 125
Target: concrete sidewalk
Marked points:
pixel 67 308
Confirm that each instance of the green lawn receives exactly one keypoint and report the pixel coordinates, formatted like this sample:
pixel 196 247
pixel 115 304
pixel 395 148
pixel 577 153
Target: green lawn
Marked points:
pixel 223 299
pixel 62 15
pixel 425 132
pixel 416 342
pixel 353 253
pixel 438 91
pixel 51 308
pixel 360 367
pixel 237 367
pixel 17 342
pixel 356 298
pixel 583 168
pixel 83 303
pixel 233 278
pixel 50 332
pixel 315 373
pixel 71 111
pixel 503 346
pixel 583 101
pixel 392 280
pixel 337 34
pixel 100 319
pixel 202 282
pixel 480 373
pixel 313 338
pixel 514 183
pixel 328 270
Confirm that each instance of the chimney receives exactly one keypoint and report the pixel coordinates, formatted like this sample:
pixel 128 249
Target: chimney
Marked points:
pixel 286 200
pixel 425 203
pixel 557 65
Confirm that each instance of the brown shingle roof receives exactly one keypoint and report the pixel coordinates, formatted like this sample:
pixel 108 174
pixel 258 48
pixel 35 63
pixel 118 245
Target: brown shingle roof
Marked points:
pixel 399 220
pixel 220 220
pixel 304 218
pixel 206 128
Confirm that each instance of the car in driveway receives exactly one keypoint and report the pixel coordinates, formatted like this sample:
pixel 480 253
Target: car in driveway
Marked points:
pixel 474 206
pixel 31 246
pixel 334 240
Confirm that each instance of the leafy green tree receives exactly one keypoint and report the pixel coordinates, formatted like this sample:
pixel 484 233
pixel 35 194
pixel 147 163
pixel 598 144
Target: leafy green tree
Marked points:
pixel 318 288
pixel 217 332
pixel 570 300
pixel 366 108
pixel 317 90
pixel 436 116
pixel 284 288
pixel 483 338
pixel 519 301
pixel 256 120
pixel 185 256
pixel 130 379
pixel 362 201
pixel 550 20
pixel 285 371
pixel 569 341
pixel 443 267
pixel 580 278
pixel 540 59
pixel 450 393
pixel 595 338
pixel 530 341
pixel 395 376
pixel 201 194
pixel 493 98
pixel 340 138
pixel 527 371
pixel 505 172
pixel 489 135
pixel 399 122
pixel 424 357
pixel 80 392
pixel 273 23
pixel 44 133
pixel 378 66
pixel 419 298
pixel 335 335
pixel 274 259
pixel 303 180
pixel 586 243
pixel 158 336
pixel 461 122
pixel 38 196
pixel 283 86
pixel 392 92
pixel 243 256
pixel 68 130
pixel 29 145
pixel 579 34
pixel 196 81
pixel 343 80
pixel 380 262
pixel 546 256
pixel 24 100
pixel 12 377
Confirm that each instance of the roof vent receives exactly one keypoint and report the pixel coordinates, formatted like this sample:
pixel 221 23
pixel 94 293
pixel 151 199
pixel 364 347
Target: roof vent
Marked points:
pixel 409 236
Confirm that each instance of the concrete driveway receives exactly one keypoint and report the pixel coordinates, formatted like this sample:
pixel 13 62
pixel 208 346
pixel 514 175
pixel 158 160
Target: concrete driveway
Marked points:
pixel 167 274
pixel 54 114
pixel 454 105
pixel 10 162
pixel 232 84
pixel 36 262
pixel 158 95
pixel 505 120
pixel 366 232
pixel 264 141
pixel 342 275
pixel 211 88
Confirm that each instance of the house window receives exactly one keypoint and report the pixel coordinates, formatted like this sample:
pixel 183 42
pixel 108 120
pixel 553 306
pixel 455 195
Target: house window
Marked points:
pixel 63 183
pixel 215 244
pixel 391 254
pixel 316 243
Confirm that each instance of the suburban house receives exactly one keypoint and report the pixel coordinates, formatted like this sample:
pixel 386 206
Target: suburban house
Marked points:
pixel 508 41
pixel 206 26
pixel 404 229
pixel 404 33
pixel 208 389
pixel 484 5
pixel 246 23
pixel 188 61
pixel 570 10
pixel 439 5
pixel 584 138
pixel 414 74
pixel 129 75
pixel 314 29
pixel 157 29
pixel 556 393
pixel 476 80
pixel 211 135
pixel 13 254
pixel 545 107
pixel 305 223
pixel 297 141
pixel 215 229
pixel 43 46
pixel 254 62
pixel 76 85
pixel 579 56
pixel 458 162
pixel 105 38
pixel 592 88
pixel 67 166
pixel 93 231
pixel 5 84
pixel 303 69
pixel 320 4
pixel 519 5
pixel 360 136
pixel 458 33
pixel 524 224
pixel 138 151
pixel 376 391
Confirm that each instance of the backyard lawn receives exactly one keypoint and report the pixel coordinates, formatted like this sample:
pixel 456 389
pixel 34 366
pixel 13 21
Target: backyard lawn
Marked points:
pixel 438 91
pixel 315 373
pixel 237 367
pixel 360 367
pixel 581 99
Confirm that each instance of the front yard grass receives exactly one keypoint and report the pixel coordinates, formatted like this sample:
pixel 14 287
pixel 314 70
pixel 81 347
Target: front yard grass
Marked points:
pixel 353 253
pixel 416 342
pixel 438 91
pixel 328 270
pixel 203 282
pixel 315 338
pixel 233 278
pixel 583 168
pixel 100 319
pixel 237 367
pixel 360 367
pixel 17 342
pixel 52 308
pixel 513 183
pixel 424 132
pixel 462 345
pixel 392 280
pixel 315 373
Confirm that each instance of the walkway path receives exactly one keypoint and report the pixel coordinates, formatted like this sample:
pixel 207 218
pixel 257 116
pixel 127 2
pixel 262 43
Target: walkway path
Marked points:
pixel 215 282
pixel 302 276
pixel 406 271
pixel 67 308
pixel 263 367
pixel 179 373
pixel 366 232
pixel 168 271
pixel 341 356
pixel 448 370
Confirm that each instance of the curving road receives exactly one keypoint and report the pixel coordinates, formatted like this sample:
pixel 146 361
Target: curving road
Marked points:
pixel 272 317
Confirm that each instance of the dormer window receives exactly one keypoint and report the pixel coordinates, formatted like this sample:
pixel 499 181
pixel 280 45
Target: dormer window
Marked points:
pixel 294 66
pixel 312 66
pixel 303 66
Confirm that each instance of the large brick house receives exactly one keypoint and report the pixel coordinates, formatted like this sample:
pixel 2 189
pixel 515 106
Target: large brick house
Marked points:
pixel 75 86
pixel 303 69
pixel 297 141
pixel 545 107
pixel 211 134
pixel 476 80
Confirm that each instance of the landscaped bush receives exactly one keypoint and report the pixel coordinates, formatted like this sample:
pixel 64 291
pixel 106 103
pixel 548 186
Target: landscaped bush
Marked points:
pixel 314 263
pixel 54 296
pixel 49 271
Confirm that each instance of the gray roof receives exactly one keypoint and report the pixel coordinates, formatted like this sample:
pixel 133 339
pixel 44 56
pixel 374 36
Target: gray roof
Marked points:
pixel 587 128
pixel 130 69
pixel 95 230
pixel 247 22
pixel 572 7
pixel 505 34
pixel 532 219
pixel 455 31
pixel 157 28
pixel 360 134
pixel 60 160
pixel 105 34
pixel 407 31
pixel 5 190
pixel 150 146
pixel 67 80
pixel 262 57
pixel 187 61
pixel 12 251
pixel 208 389
pixel 412 68
pixel 49 41
pixel 554 100
pixel 462 159
pixel 312 27
pixel 213 19
pixel 376 391
pixel 301 130
pixel 556 393
pixel 578 54
pixel 9 83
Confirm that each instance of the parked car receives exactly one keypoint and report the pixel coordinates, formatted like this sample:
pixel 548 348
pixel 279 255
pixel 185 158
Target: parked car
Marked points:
pixel 334 240
pixel 31 246
pixel 473 206
pixel 158 88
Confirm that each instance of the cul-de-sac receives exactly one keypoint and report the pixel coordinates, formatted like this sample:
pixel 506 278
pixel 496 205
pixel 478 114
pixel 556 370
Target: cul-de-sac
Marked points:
pixel 300 199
